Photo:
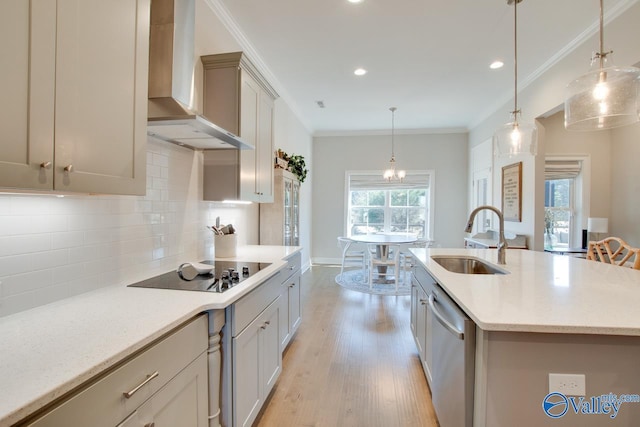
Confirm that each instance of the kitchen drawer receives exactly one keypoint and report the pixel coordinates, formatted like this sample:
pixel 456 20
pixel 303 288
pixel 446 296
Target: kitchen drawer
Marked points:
pixel 102 402
pixel 251 305
pixel 293 264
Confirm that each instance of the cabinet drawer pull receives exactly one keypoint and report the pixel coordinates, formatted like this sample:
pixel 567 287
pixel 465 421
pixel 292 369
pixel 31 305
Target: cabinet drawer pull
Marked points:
pixel 128 394
pixel 45 165
pixel 292 285
pixel 291 268
pixel 264 326
pixel 423 301
pixel 68 168
pixel 150 425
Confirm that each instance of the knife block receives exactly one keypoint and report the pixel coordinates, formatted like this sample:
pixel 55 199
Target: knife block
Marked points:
pixel 225 245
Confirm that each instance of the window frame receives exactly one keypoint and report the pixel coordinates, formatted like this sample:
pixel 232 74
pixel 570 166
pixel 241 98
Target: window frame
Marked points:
pixel 582 194
pixel 429 202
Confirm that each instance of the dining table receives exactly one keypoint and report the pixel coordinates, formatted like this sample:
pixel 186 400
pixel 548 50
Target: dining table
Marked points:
pixel 382 242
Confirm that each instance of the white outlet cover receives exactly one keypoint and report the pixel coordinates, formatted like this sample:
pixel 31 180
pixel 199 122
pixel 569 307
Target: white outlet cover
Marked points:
pixel 567 384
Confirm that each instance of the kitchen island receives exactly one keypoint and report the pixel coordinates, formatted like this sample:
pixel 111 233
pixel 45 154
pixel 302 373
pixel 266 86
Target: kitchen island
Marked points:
pixel 549 314
pixel 51 350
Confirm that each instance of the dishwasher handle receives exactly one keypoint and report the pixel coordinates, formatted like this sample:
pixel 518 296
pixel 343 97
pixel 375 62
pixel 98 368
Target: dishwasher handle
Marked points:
pixel 448 325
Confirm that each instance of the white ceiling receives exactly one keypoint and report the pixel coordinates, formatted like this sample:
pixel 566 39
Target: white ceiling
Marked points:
pixel 428 58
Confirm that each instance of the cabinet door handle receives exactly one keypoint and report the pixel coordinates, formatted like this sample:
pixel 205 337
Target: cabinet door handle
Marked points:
pixel 150 425
pixel 45 165
pixel 128 394
pixel 423 301
pixel 68 168
pixel 292 285
pixel 264 326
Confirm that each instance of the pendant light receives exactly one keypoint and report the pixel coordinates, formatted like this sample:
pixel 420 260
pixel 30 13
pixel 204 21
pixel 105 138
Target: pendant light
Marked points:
pixel 604 98
pixel 391 174
pixel 515 137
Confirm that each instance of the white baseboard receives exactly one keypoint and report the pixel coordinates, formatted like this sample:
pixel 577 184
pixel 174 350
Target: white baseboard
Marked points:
pixel 327 261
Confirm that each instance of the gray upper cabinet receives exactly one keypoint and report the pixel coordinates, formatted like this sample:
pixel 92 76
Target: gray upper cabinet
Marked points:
pixel 238 98
pixel 74 113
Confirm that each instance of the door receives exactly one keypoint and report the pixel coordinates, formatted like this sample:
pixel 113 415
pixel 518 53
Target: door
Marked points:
pixel 287 212
pixel 27 41
pixel 249 103
pixel 270 352
pixel 101 96
pixel 264 148
pixel 296 214
pixel 295 311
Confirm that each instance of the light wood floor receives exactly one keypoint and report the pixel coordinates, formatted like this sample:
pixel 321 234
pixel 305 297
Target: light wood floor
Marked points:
pixel 353 362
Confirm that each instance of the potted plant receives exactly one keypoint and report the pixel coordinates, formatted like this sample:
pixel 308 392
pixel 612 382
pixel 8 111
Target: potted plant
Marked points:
pixel 295 164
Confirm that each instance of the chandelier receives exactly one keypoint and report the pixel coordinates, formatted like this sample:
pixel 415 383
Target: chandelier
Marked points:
pixel 391 174
pixel 514 137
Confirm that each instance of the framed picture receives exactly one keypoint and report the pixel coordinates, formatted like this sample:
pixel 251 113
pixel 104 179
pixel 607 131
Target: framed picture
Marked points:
pixel 512 192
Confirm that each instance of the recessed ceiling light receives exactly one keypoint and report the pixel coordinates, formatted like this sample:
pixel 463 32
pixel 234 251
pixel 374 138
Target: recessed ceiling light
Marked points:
pixel 496 64
pixel 356 1
pixel 360 72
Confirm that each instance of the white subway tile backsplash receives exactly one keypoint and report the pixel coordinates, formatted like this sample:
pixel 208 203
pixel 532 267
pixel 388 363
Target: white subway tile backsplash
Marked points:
pixel 15 245
pixel 67 239
pixel 52 247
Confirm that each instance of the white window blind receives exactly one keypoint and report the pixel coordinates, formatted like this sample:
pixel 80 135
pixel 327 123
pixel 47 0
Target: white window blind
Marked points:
pixel 561 169
pixel 375 181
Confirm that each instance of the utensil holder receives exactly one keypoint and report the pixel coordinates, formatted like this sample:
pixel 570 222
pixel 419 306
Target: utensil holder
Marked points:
pixel 225 245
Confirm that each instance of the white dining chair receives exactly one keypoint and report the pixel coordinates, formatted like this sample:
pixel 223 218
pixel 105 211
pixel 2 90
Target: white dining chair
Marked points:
pixel 406 257
pixel 353 254
pixel 391 258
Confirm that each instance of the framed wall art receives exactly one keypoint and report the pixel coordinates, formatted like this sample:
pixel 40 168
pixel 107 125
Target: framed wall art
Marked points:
pixel 512 192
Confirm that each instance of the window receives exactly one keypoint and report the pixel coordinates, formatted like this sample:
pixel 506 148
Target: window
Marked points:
pixel 377 206
pixel 558 212
pixel 562 203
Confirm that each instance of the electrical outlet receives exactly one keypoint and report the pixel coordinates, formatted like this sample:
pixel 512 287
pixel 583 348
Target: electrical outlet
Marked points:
pixel 568 384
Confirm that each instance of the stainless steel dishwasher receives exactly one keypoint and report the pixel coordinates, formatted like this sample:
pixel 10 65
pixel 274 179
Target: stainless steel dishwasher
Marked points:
pixel 454 338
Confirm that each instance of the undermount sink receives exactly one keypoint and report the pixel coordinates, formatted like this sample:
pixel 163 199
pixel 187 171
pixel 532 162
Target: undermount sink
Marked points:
pixel 467 265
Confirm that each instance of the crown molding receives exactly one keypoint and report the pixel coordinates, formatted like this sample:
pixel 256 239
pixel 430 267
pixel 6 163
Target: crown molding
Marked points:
pixel 223 14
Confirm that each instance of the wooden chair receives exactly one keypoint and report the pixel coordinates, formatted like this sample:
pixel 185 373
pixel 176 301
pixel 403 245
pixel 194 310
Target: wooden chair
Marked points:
pixel 353 254
pixel 389 259
pixel 624 254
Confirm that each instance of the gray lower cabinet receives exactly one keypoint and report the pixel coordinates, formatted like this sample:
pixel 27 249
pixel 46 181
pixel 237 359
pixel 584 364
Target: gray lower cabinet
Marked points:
pixel 422 318
pixel 252 331
pixel 258 363
pixel 166 385
pixel 290 303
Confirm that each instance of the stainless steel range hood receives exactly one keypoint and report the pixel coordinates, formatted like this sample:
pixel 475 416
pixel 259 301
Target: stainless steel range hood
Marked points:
pixel 171 67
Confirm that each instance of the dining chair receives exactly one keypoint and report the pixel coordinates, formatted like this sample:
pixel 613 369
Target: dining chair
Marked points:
pixel 620 254
pixel 406 257
pixel 353 254
pixel 391 258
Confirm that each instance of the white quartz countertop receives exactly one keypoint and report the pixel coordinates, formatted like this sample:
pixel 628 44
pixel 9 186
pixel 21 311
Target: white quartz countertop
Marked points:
pixel 48 351
pixel 543 292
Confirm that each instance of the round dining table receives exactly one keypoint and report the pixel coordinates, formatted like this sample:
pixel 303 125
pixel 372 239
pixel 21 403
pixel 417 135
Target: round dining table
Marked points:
pixel 382 242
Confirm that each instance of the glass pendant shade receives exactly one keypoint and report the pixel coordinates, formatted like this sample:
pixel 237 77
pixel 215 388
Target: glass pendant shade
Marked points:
pixel 604 98
pixel 515 138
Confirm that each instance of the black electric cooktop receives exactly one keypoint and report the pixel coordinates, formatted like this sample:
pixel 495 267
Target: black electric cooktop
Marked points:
pixel 225 275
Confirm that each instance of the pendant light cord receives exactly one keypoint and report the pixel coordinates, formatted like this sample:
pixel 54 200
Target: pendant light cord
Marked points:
pixel 515 60
pixel 601 54
pixel 393 116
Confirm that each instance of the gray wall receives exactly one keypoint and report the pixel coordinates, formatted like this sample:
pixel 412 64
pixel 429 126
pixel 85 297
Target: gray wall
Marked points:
pixel 446 154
